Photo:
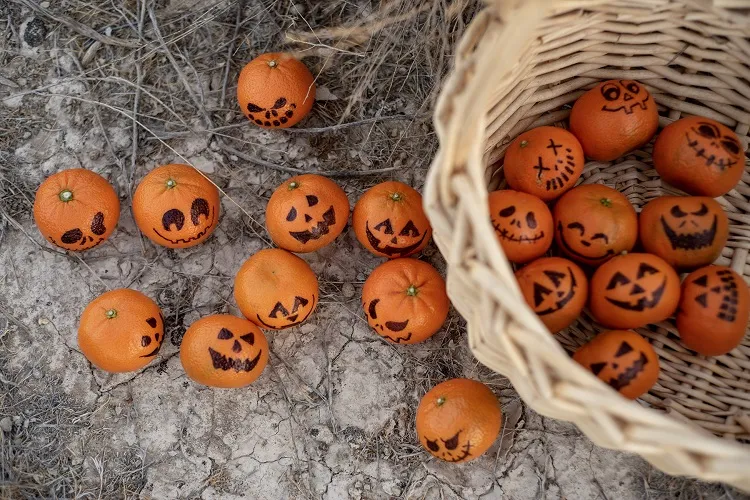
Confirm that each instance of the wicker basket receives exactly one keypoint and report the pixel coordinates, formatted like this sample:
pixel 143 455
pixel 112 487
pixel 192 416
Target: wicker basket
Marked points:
pixel 522 64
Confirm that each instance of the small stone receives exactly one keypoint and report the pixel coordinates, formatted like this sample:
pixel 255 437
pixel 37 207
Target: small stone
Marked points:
pixel 44 5
pixel 348 290
pixel 26 134
pixel 43 321
pixel 35 32
pixel 6 424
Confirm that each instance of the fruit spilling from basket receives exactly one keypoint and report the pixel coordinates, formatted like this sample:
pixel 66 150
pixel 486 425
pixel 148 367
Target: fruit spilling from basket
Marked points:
pixel 596 228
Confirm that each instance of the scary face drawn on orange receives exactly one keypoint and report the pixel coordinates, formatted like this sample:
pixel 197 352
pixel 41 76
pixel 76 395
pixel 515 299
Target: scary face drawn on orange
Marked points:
pixel 622 359
pixel 523 224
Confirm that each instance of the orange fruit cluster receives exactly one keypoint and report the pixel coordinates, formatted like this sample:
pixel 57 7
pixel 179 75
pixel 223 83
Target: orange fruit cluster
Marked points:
pixel 595 228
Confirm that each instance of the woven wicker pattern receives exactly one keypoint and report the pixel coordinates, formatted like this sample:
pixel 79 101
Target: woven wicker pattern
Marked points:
pixel 521 65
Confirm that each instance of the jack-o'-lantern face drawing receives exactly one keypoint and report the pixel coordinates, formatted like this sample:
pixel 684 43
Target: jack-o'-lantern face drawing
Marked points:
pixel 283 317
pixel 633 290
pixel 714 310
pixel 624 96
pixel 306 213
pixel 556 289
pixel 176 206
pixel 224 351
pixel 544 161
pixel 719 149
pixel 234 352
pixel 275 90
pixel 594 222
pixel 389 221
pixel 458 420
pixel 395 331
pixel 523 224
pixel 153 340
pixel 686 231
pixel 622 359
pixel 276 289
pixel 76 209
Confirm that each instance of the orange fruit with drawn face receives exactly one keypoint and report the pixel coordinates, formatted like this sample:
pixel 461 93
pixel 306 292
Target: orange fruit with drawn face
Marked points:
pixel 714 310
pixel 686 231
pixel 458 420
pixel 405 301
pixel 390 222
pixel 613 118
pixel 700 156
pixel 76 209
pixel 276 289
pixel 545 162
pixel 121 331
pixel 224 351
pixel 593 223
pixel 306 213
pixel 623 359
pixel 633 290
pixel 275 90
pixel 523 224
pixel 556 290
pixel 176 206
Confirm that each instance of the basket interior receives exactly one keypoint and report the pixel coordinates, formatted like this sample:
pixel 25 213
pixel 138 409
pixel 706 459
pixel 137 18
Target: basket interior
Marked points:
pixel 701 67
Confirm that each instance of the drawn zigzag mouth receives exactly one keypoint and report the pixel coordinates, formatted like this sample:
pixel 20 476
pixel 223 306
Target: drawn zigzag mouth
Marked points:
pixel 321 228
pixel 643 303
pixel 694 241
pixel 222 362
pixel 629 374
pixel 628 109
pixel 711 160
pixel 192 238
pixel 388 249
pixel 504 234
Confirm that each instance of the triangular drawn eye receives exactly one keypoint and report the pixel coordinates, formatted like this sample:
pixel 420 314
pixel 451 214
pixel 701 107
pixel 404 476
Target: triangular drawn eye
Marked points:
pixel 385 226
pixel 540 293
pixel 249 338
pixel 702 281
pixel 409 230
pixel 225 334
pixel 299 301
pixel 312 200
pixel 278 308
pixel 645 270
pixel 703 210
pixel 623 350
pixel 452 443
pixel 254 108
pixel 617 280
pixel 676 211
pixel 598 367
pixel 555 276
pixel 432 445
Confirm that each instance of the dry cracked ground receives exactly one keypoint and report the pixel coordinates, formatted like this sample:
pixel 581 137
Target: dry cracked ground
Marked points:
pixel 333 415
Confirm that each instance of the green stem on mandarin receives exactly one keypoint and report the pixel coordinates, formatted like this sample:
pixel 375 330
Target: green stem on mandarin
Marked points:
pixel 412 291
pixel 66 195
pixel 606 202
pixel 293 185
pixel 440 401
pixel 170 183
pixel 397 196
pixel 111 314
pixel 524 144
pixel 272 63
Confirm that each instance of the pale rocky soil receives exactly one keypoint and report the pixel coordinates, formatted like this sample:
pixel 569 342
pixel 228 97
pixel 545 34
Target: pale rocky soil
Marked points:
pixel 333 415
